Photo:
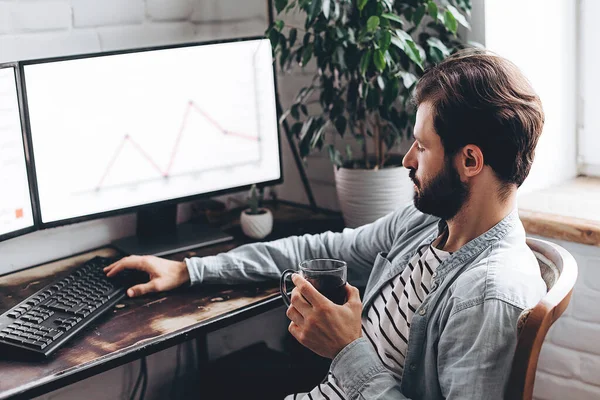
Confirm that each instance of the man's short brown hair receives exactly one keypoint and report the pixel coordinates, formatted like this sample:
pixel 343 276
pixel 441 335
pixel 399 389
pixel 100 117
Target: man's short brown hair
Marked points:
pixel 480 98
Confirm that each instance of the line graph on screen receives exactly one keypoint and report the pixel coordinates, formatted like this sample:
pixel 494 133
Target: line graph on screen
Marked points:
pixel 249 143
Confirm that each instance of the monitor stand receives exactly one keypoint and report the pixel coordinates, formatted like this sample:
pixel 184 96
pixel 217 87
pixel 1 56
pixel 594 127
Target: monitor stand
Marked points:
pixel 158 234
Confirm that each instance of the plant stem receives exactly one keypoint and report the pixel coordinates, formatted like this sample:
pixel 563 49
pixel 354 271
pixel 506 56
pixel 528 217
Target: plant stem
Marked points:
pixel 376 140
pixel 381 158
pixel 364 144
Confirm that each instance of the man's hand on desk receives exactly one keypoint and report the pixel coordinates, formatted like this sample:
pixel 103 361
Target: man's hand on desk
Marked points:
pixel 164 274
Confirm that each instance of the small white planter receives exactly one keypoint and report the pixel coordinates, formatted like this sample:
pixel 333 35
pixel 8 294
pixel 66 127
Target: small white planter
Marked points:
pixel 366 195
pixel 256 226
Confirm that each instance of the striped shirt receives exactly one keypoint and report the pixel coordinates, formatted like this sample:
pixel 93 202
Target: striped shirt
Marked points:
pixel 387 321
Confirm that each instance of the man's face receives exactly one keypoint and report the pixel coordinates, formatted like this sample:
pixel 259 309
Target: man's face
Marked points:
pixel 438 188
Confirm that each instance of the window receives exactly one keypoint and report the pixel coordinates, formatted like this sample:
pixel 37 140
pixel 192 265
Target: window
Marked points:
pixel 589 89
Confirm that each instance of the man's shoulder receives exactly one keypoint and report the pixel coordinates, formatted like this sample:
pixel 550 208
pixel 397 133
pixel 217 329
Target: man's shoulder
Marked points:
pixel 508 273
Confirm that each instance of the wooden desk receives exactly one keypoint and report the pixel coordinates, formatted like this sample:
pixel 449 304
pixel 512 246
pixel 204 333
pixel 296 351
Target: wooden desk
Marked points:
pixel 137 327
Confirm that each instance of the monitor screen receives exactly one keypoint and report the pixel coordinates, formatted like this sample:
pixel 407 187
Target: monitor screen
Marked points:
pixel 111 132
pixel 15 200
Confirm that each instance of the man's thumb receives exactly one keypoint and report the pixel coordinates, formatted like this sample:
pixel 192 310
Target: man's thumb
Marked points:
pixel 141 289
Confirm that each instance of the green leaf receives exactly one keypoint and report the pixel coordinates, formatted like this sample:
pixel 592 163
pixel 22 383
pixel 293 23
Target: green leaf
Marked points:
pixel 408 79
pixel 317 138
pixel 380 82
pixel 280 5
pixel 393 17
pixel 362 4
pixel 305 128
pixel 349 151
pixel 295 112
pixel 315 9
pixel 340 124
pixel 439 45
pixel 450 22
pixel 379 59
pixel 279 24
pixel 339 57
pixel 326 8
pixel 458 16
pixel 372 23
pixel 293 35
pixel 304 109
pixel 385 41
pixel 274 38
pixel 365 61
pixel 334 156
pixel 296 128
pixel 307 53
pixel 405 43
pixel 419 13
pixel 432 8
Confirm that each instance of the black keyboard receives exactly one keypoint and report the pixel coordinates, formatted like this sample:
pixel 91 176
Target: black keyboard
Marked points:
pixel 44 321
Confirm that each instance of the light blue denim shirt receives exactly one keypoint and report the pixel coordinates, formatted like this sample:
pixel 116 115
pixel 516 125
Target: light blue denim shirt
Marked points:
pixel 462 337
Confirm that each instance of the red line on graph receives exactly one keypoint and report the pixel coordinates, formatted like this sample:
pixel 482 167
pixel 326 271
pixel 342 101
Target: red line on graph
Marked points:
pixel 165 173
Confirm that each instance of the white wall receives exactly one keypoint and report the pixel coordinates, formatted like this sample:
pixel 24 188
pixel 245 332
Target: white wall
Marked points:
pixel 589 88
pixel 569 364
pixel 539 36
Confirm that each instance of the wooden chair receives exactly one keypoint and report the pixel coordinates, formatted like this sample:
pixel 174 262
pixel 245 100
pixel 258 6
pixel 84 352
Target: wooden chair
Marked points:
pixel 559 271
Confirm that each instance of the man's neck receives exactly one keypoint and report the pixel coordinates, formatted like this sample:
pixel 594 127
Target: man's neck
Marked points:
pixel 477 216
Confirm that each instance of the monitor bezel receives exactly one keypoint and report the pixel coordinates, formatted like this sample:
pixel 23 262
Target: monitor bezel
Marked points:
pixel 133 209
pixel 26 152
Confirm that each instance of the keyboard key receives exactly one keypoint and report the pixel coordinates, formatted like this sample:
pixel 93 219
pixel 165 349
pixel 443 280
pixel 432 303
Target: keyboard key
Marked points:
pixel 40 345
pixel 13 338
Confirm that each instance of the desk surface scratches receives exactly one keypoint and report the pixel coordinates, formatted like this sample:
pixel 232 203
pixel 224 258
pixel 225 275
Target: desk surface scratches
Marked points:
pixel 131 325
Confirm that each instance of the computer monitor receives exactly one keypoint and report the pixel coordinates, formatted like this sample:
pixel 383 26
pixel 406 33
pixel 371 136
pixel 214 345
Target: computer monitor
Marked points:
pixel 146 129
pixel 16 211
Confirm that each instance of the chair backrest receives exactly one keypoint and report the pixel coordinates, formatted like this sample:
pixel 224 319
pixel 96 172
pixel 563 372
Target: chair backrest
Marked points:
pixel 559 271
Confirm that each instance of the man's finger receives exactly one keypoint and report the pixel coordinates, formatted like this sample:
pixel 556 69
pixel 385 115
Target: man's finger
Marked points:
pixel 307 290
pixel 299 302
pixel 294 315
pixel 131 262
pixel 296 331
pixel 352 292
pixel 141 289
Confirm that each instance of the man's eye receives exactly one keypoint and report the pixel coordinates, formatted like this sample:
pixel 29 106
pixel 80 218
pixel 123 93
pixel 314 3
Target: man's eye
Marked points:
pixel 419 148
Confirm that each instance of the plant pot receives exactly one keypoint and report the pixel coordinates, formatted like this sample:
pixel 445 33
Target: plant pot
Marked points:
pixel 366 194
pixel 256 226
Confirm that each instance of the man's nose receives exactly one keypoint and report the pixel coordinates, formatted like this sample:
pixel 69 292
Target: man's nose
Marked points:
pixel 409 160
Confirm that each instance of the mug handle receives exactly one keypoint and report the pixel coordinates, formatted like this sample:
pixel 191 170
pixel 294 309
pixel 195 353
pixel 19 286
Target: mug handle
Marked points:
pixel 282 288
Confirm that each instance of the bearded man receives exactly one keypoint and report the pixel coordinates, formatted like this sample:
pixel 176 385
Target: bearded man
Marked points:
pixel 448 274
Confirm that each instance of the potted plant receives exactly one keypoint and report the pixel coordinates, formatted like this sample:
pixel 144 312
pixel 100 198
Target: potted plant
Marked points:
pixel 368 55
pixel 256 221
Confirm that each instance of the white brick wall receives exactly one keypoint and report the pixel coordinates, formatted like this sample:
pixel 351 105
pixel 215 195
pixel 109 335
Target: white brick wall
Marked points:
pixel 569 365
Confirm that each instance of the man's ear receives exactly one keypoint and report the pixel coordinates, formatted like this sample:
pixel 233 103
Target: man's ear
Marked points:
pixel 470 161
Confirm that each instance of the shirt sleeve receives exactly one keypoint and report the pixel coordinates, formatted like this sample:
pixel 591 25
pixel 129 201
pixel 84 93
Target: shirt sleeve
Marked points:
pixel 361 374
pixel 263 261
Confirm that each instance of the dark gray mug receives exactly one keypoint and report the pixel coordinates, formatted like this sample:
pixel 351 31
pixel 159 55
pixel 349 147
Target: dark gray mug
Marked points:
pixel 327 275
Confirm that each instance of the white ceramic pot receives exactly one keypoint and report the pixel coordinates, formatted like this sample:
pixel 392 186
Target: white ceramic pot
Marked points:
pixel 365 194
pixel 256 226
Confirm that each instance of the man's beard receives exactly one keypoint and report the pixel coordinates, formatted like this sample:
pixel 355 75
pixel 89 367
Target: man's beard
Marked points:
pixel 443 196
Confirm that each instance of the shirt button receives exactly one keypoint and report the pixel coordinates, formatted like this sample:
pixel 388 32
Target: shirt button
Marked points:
pixel 422 311
pixel 413 367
